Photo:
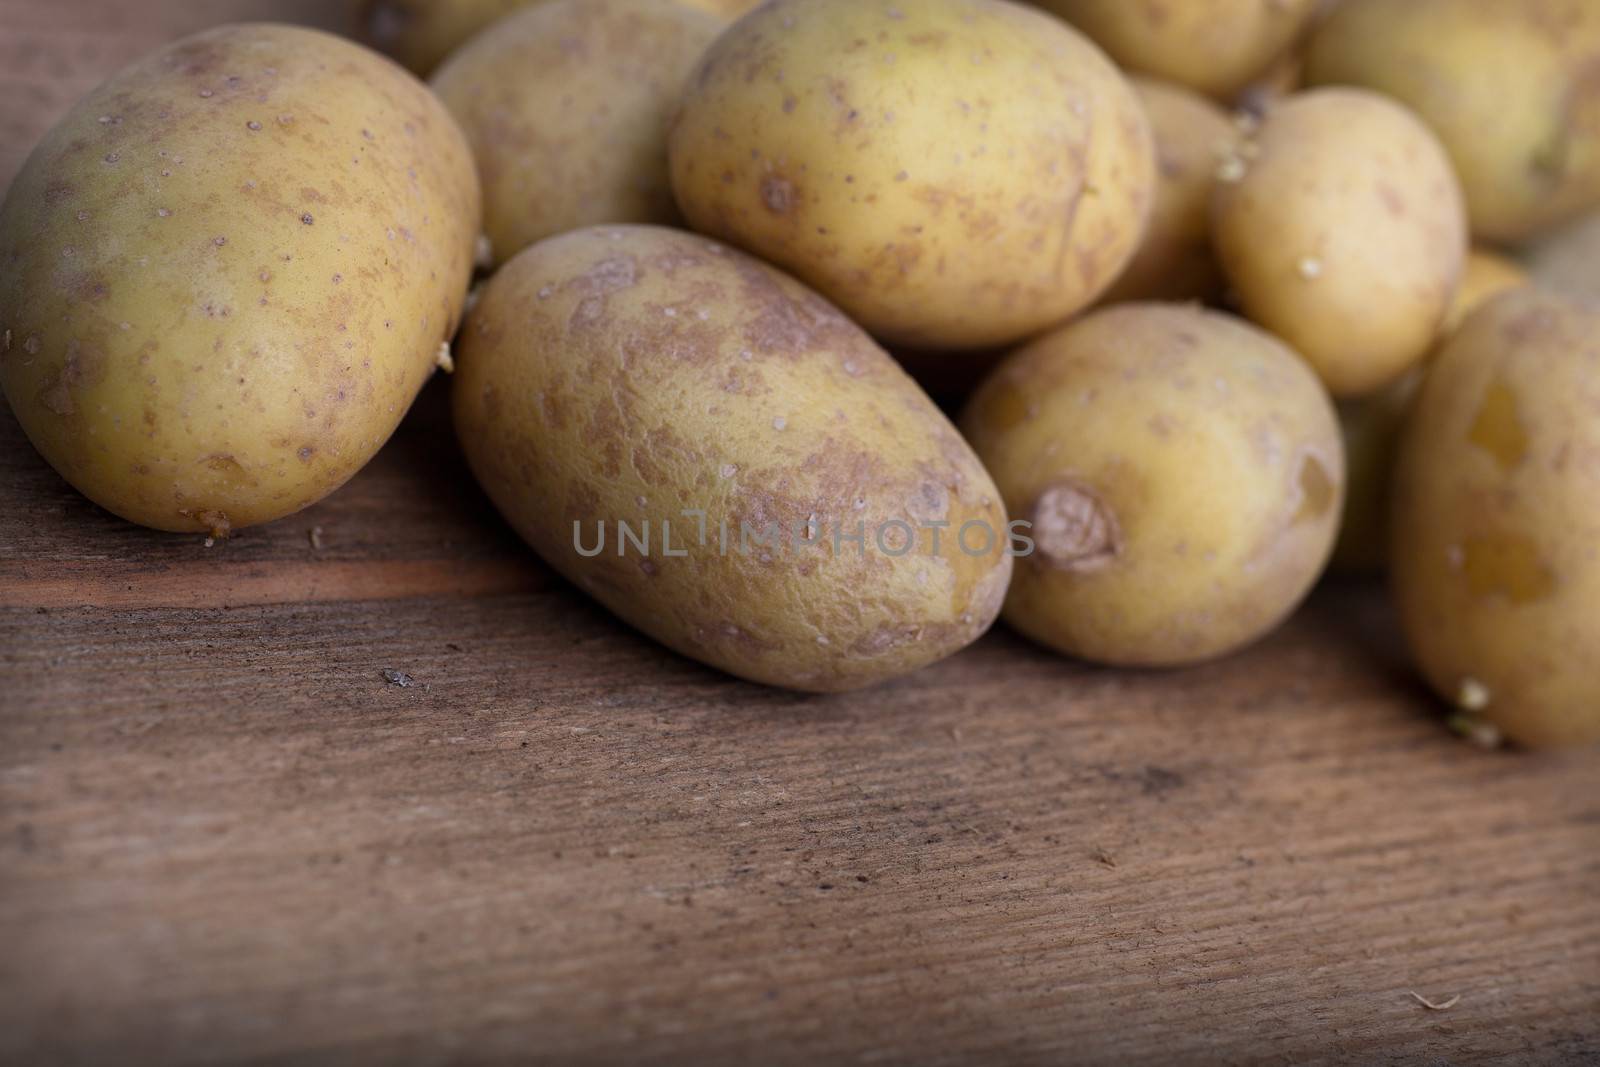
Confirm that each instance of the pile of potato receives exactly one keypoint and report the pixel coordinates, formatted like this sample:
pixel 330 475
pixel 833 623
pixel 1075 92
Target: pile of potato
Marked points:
pixel 1210 262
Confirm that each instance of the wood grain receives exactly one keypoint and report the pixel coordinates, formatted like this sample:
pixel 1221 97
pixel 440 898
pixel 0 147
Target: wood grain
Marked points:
pixel 225 836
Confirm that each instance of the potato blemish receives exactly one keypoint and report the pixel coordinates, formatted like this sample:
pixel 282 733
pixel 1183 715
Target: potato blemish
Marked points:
pixel 1507 565
pixel 1498 430
pixel 1074 530
pixel 1317 490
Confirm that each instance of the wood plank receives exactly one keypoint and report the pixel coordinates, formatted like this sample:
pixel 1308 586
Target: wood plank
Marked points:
pixel 413 523
pixel 227 837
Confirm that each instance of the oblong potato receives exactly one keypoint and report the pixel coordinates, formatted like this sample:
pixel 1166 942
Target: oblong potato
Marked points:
pixel 1512 90
pixel 422 33
pixel 1497 518
pixel 952 173
pixel 1182 472
pixel 1372 424
pixel 1343 231
pixel 560 140
pixel 1193 138
pixel 638 374
pixel 1216 47
pixel 229 270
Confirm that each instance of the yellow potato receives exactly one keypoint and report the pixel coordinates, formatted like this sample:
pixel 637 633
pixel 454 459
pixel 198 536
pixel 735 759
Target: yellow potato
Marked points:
pixel 1510 86
pixel 1497 519
pixel 1182 472
pixel 1372 426
pixel 748 433
pixel 952 173
pixel 229 270
pixel 1487 275
pixel 422 33
pixel 560 140
pixel 1193 138
pixel 1342 230
pixel 1216 47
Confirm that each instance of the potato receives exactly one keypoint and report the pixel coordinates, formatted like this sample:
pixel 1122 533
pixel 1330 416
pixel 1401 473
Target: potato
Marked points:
pixel 228 271
pixel 1487 275
pixel 560 140
pixel 1372 426
pixel 1510 88
pixel 1216 47
pixel 1342 231
pixel 748 433
pixel 952 173
pixel 1182 473
pixel 1497 519
pixel 421 33
pixel 1193 138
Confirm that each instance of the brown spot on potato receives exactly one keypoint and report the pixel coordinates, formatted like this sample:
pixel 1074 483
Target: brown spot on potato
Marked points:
pixel 224 463
pixel 215 521
pixel 57 395
pixel 1498 430
pixel 1317 490
pixel 778 194
pixel 1393 202
pixel 1506 565
pixel 89 288
pixel 1074 530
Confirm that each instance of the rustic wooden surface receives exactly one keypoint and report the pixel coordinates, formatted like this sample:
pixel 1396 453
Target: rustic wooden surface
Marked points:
pixel 224 836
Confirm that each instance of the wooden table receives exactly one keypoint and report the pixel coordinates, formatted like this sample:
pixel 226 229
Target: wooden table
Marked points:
pixel 224 835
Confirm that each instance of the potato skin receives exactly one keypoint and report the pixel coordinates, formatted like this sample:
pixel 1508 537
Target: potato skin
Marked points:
pixel 954 174
pixel 1372 425
pixel 1193 137
pixel 630 373
pixel 1497 518
pixel 1512 90
pixel 228 271
pixel 561 141
pixel 1183 474
pixel 1345 235
pixel 1215 47
pixel 422 33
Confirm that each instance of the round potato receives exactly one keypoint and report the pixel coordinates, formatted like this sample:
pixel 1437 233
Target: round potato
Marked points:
pixel 1216 47
pixel 560 140
pixel 1182 473
pixel 1487 275
pixel 1497 519
pixel 952 173
pixel 808 518
pixel 421 33
pixel 1512 89
pixel 1342 230
pixel 1372 425
pixel 229 270
pixel 1193 138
